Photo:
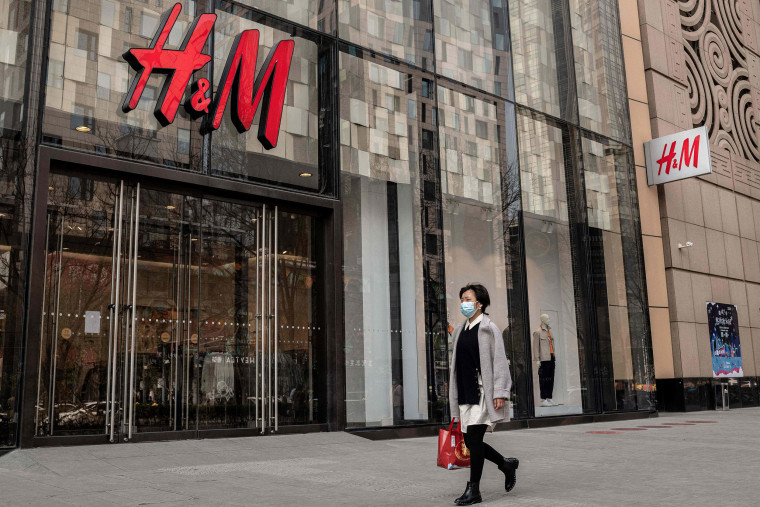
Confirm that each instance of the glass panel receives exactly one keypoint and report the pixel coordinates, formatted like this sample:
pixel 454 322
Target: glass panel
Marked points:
pixel 472 44
pixel 608 275
pixel 299 329
pixel 73 366
pixel 386 380
pixel 549 268
pixel 229 352
pixel 471 181
pixel 294 161
pixel 402 29
pixel 89 78
pixel 473 221
pixel 599 68
pixel 540 59
pixel 318 14
pixel 15 149
pixel 166 312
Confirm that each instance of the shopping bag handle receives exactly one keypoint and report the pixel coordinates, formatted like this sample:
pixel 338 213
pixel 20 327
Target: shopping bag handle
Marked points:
pixel 453 420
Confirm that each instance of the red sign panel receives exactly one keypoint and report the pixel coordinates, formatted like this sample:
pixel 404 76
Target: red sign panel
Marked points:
pixel 239 79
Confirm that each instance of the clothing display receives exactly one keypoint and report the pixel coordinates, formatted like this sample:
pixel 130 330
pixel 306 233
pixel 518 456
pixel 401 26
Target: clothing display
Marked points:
pixel 543 343
pixel 543 352
pixel 546 378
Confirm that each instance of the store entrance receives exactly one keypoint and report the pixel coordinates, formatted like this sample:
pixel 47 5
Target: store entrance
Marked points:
pixel 167 312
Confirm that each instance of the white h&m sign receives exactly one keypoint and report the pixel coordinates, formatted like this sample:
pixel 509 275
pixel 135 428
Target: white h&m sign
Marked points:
pixel 678 156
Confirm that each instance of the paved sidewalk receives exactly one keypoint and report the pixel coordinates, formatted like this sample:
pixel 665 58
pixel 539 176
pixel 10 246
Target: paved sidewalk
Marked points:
pixel 707 463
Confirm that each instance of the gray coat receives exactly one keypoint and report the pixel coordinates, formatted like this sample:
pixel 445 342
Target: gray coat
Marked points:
pixel 541 346
pixel 494 370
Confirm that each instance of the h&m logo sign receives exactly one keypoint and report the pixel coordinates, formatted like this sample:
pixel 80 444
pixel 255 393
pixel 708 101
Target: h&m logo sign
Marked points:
pixel 678 156
pixel 239 80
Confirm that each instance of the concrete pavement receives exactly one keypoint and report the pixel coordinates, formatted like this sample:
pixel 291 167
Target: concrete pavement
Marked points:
pixel 661 461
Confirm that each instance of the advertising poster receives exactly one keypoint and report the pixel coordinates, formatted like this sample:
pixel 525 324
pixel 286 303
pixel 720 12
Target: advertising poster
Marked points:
pixel 723 326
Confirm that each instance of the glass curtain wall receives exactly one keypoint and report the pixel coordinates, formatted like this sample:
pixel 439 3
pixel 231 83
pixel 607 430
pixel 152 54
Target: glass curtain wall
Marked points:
pixel 294 161
pixel 87 80
pixel 433 159
pixel 552 301
pixel 16 183
pixel 386 354
pixel 401 29
pixel 472 44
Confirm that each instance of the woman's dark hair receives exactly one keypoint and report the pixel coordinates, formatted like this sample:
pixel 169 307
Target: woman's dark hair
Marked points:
pixel 481 294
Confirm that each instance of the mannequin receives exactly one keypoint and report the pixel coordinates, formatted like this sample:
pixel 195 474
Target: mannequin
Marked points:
pixel 543 352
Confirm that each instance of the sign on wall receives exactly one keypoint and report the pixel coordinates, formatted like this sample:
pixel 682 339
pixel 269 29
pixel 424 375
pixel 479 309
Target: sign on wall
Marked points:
pixel 239 81
pixel 723 326
pixel 678 156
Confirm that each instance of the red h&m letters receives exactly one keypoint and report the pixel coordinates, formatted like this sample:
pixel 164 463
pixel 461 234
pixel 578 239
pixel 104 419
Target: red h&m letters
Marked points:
pixel 668 159
pixel 239 78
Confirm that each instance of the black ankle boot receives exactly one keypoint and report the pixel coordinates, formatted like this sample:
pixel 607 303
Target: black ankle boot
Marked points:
pixel 471 495
pixel 509 468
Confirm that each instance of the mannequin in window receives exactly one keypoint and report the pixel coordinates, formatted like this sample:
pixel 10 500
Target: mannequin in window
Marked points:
pixel 543 351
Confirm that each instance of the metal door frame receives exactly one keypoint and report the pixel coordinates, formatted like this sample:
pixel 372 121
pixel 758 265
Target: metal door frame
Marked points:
pixel 329 259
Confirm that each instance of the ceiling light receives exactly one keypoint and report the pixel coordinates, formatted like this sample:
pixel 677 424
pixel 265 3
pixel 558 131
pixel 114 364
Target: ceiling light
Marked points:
pixel 194 239
pixel 305 174
pixel 2 214
pixel 83 128
pixel 170 207
pixel 50 188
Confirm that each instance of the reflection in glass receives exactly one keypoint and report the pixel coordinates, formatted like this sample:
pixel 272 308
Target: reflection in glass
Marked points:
pixel 297 151
pixel 472 194
pixel 402 29
pixel 87 41
pixel 386 380
pixel 549 267
pixel 538 62
pixel 472 44
pixel 599 68
pixel 74 352
pixel 318 14
pixel 15 149
pixel 166 312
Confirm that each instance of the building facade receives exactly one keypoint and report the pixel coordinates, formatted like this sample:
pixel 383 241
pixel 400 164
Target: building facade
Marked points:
pixel 693 64
pixel 174 275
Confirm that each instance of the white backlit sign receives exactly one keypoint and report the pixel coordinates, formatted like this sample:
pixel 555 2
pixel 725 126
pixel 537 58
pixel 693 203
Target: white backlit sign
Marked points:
pixel 678 156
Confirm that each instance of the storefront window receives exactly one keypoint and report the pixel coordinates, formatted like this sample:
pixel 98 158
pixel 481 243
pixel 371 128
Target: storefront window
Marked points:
pixel 473 202
pixel 599 71
pixel 549 264
pixel 16 166
pixel 386 363
pixel 295 159
pixel 83 99
pixel 608 274
pixel 472 43
pixel 401 29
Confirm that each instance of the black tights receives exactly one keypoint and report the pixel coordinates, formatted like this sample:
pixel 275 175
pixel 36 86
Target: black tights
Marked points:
pixel 479 451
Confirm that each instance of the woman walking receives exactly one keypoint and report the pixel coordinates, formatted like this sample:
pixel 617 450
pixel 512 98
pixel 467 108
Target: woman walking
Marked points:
pixel 479 386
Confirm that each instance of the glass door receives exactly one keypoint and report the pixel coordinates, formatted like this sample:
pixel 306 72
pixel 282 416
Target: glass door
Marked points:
pixel 258 300
pixel 164 312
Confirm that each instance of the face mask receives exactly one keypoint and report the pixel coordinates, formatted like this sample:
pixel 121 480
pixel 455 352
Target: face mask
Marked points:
pixel 468 309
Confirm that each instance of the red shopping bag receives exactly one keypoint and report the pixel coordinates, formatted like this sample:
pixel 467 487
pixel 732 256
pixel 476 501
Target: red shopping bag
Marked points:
pixel 452 453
